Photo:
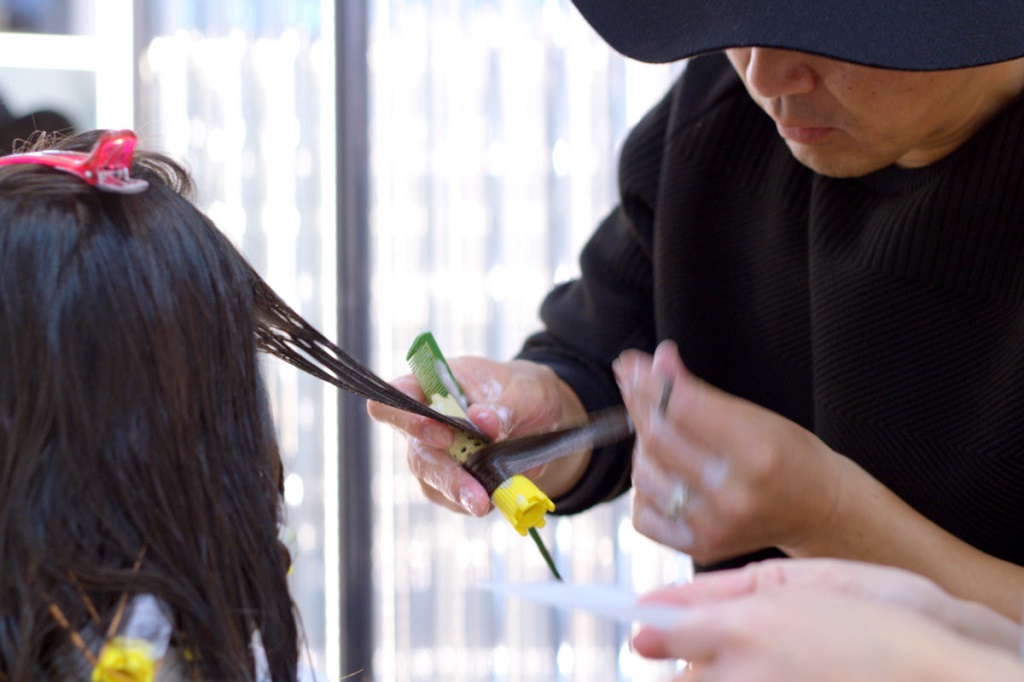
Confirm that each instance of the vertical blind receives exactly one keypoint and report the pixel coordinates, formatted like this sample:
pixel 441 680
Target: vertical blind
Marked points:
pixel 242 91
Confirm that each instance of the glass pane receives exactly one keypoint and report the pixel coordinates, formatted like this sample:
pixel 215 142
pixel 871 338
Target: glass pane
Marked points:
pixel 495 127
pixel 243 92
pixel 46 16
pixel 64 65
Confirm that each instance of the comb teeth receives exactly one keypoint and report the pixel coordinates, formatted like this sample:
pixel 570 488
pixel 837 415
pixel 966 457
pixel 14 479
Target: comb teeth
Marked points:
pixel 435 376
pixel 444 393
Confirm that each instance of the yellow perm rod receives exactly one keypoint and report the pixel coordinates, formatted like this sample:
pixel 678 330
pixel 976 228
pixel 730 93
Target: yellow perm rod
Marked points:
pixel 520 501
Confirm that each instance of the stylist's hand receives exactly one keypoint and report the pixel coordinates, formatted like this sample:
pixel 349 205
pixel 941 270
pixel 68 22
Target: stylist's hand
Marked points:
pixel 869 583
pixel 716 476
pixel 506 399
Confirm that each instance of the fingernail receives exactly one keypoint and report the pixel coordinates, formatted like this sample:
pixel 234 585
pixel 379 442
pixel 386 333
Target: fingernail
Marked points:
pixel 504 418
pixel 625 387
pixel 467 500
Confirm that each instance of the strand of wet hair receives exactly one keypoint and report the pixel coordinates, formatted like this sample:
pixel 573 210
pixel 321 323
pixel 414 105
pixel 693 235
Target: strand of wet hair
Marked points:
pixel 283 333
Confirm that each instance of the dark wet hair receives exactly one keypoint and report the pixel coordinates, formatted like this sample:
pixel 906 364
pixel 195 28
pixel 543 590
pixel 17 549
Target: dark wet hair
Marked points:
pixel 133 423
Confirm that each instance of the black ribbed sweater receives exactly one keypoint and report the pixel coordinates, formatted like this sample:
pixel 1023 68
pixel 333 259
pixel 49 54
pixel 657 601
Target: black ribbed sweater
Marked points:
pixel 885 313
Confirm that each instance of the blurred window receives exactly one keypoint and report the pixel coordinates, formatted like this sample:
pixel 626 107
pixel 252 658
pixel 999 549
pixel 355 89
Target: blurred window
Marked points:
pixel 495 130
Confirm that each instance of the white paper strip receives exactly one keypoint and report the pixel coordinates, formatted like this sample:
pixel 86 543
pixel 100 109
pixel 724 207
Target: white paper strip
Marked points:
pixel 608 602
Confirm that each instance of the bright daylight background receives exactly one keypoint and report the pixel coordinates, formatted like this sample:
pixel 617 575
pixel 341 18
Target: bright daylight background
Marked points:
pixel 495 126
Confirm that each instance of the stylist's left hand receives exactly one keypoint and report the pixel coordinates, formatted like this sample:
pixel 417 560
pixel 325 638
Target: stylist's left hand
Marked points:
pixel 716 476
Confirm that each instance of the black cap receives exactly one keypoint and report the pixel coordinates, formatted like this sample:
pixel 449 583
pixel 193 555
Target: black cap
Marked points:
pixel 925 35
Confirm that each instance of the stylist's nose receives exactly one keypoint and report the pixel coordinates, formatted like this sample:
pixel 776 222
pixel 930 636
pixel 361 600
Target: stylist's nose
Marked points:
pixel 778 73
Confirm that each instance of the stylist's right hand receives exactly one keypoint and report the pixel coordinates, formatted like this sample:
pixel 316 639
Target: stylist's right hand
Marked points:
pixel 506 399
pixel 716 476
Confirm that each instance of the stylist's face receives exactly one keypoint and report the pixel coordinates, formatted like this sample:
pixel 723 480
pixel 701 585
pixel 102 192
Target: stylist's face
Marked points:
pixel 845 120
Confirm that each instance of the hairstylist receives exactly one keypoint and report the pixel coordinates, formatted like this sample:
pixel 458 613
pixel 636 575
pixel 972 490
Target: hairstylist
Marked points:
pixel 810 297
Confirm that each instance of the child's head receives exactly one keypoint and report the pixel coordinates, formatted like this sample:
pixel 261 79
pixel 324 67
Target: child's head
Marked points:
pixel 133 425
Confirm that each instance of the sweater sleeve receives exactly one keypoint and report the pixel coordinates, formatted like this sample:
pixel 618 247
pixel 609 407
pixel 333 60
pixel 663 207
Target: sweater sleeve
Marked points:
pixel 588 322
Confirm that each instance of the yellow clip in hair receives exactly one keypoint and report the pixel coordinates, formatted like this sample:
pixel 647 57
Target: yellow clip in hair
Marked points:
pixel 137 654
pixel 522 503
pixel 125 659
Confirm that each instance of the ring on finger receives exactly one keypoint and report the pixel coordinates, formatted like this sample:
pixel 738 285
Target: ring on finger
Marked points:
pixel 666 394
pixel 677 502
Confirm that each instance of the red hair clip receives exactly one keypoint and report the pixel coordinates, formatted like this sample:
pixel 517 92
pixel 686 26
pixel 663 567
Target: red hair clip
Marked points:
pixel 105 167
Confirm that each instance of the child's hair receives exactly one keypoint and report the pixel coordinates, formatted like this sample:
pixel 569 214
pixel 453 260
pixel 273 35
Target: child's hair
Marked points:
pixel 137 452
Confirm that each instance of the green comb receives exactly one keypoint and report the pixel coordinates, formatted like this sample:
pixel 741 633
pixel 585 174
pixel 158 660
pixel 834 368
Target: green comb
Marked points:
pixel 444 393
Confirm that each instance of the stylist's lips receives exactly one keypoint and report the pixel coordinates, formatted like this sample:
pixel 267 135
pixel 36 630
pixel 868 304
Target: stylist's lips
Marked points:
pixel 803 134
